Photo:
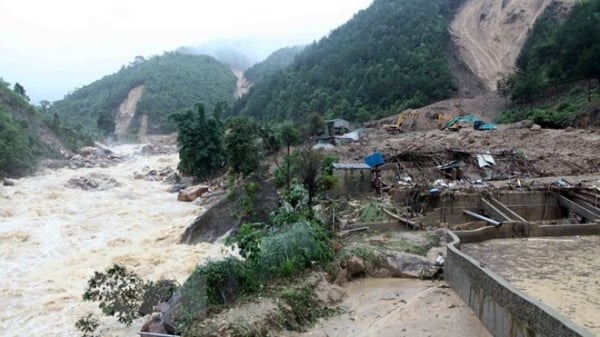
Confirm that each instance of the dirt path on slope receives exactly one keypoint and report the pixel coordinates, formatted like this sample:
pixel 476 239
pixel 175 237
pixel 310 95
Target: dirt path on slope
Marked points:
pixel 490 34
pixel 242 85
pixel 399 308
pixel 127 111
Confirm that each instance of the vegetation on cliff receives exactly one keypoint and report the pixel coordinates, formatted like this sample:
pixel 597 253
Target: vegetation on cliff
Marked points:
pixel 28 135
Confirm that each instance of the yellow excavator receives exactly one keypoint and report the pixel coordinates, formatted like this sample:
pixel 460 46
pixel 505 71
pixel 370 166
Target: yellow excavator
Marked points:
pixel 413 115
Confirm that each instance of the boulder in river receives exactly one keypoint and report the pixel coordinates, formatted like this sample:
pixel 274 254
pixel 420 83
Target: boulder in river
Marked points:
pixel 192 192
pixel 224 215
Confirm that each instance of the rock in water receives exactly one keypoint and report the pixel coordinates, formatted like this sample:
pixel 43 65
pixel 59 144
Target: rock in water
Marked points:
pixel 192 192
pixel 156 324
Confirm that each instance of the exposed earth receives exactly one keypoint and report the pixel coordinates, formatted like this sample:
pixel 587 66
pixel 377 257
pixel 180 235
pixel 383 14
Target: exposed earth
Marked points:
pixel 489 34
pixel 399 308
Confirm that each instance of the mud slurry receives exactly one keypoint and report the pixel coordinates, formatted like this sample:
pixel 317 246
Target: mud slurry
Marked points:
pixel 561 272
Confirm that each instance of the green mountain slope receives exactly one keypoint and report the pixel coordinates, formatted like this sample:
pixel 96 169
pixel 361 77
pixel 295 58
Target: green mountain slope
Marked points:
pixel 26 136
pixel 172 82
pixel 388 57
pixel 277 61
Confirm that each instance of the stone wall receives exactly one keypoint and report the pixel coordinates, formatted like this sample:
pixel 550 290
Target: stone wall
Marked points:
pixel 504 310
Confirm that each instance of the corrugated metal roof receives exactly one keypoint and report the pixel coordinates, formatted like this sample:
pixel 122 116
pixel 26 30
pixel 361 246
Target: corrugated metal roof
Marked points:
pixel 351 166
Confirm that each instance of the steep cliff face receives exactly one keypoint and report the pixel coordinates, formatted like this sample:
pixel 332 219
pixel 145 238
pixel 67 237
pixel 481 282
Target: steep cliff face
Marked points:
pixel 489 34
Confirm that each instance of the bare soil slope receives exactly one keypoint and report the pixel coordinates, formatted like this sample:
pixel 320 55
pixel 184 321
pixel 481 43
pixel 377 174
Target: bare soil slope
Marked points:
pixel 127 111
pixel 490 34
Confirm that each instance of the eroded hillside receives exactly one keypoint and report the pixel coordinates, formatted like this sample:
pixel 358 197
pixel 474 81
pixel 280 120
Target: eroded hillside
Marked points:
pixel 489 34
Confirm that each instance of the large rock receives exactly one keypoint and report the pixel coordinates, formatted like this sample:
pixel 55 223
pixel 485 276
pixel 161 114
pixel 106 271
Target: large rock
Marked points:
pixel 524 124
pixel 355 266
pixel 408 265
pixel 192 192
pixel 224 215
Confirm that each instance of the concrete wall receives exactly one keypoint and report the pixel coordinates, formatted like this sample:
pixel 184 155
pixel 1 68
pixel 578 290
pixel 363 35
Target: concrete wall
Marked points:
pixel 352 183
pixel 533 206
pixel 504 310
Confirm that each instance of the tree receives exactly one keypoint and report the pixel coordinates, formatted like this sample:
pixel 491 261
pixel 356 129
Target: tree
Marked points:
pixel 315 122
pixel 309 169
pixel 201 142
pixel 44 106
pixel 15 152
pixel 288 135
pixel 20 90
pixel 105 122
pixel 243 148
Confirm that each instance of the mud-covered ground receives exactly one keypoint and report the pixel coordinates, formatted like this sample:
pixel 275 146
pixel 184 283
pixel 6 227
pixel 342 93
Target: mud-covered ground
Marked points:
pixel 562 272
pixel 399 308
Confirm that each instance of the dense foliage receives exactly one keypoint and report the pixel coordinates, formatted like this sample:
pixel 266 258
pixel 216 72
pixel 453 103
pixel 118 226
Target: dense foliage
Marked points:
pixel 124 294
pixel 27 135
pixel 388 57
pixel 558 52
pixel 173 82
pixel 243 147
pixel 201 142
pixel 15 148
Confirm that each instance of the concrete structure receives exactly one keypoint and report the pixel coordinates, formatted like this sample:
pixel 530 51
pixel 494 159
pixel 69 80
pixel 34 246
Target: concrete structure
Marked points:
pixel 504 310
pixel 354 179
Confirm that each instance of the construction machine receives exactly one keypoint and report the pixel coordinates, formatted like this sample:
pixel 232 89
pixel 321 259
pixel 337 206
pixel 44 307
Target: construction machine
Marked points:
pixel 443 120
pixel 413 115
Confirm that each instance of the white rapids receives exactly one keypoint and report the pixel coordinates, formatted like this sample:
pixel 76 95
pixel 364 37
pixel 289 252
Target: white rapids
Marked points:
pixel 53 238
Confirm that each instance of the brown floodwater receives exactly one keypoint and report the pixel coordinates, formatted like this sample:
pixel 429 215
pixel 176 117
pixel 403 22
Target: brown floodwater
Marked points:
pixel 562 272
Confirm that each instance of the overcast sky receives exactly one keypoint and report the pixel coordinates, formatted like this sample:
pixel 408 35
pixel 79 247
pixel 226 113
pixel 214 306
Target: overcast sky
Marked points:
pixel 52 47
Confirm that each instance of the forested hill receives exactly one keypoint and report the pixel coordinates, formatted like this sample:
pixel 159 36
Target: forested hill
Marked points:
pixel 26 135
pixel 172 82
pixel 277 61
pixel 388 57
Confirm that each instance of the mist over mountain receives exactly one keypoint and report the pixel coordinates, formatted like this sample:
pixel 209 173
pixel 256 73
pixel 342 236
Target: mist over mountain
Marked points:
pixel 238 53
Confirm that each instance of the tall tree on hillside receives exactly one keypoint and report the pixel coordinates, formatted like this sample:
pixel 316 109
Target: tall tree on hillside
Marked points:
pixel 288 135
pixel 105 122
pixel 20 90
pixel 201 142
pixel 44 106
pixel 242 145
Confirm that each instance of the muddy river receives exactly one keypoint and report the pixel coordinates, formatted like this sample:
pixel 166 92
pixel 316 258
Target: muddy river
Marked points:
pixel 53 238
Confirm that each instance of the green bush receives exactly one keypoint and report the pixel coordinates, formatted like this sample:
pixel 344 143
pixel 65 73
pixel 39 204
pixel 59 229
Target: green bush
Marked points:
pixel 293 248
pixel 225 280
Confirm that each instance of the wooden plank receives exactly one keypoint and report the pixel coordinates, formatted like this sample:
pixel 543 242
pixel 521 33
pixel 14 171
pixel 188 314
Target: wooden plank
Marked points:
pixel 514 215
pixel 412 224
pixel 350 231
pixel 588 206
pixel 577 209
pixel 493 211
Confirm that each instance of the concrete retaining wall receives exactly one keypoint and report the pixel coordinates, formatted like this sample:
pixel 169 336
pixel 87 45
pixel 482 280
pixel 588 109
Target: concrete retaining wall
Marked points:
pixel 533 206
pixel 504 310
